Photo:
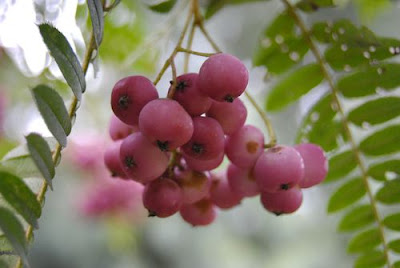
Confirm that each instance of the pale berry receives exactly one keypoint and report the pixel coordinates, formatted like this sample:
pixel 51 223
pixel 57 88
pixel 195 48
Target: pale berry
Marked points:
pixel 242 181
pixel 112 160
pixel 221 193
pixel 201 213
pixel 118 130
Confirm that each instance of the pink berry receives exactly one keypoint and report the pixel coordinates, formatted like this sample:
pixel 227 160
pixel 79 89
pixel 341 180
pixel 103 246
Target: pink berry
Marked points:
pixel 282 202
pixel 195 185
pixel 245 146
pixel 118 130
pixel 278 169
pixel 203 165
pixel 166 123
pixel 130 95
pixel 162 197
pixel 201 213
pixel 221 193
pixel 189 96
pixel 242 181
pixel 315 164
pixel 223 77
pixel 207 141
pixel 112 160
pixel 230 115
pixel 141 160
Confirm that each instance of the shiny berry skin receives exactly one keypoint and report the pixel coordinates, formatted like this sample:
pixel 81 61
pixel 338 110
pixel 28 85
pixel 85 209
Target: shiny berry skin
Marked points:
pixel 118 130
pixel 242 181
pixel 282 202
pixel 203 165
pixel 130 95
pixel 112 160
pixel 201 213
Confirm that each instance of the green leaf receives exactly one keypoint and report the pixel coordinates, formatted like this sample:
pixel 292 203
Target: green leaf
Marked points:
pixel 20 197
pixel 9 257
pixel 357 218
pixel 375 111
pixel 367 81
pixel 53 111
pixel 392 222
pixel 97 18
pixel 378 171
pixel 41 155
pixel 382 142
pixel 396 264
pixel 163 7
pixel 22 166
pixel 371 259
pixel 215 5
pixel 14 232
pixel 364 241
pixel 341 165
pixel 395 245
pixel 289 89
pixel 346 195
pixel 65 57
pixel 389 193
pixel 314 5
pixel 283 25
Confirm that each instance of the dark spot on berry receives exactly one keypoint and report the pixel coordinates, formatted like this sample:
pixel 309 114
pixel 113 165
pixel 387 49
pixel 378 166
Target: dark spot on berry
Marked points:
pixel 285 186
pixel 129 162
pixel 229 98
pixel 124 102
pixel 163 145
pixel 181 86
pixel 151 214
pixel 114 174
pixel 197 148
pixel 277 213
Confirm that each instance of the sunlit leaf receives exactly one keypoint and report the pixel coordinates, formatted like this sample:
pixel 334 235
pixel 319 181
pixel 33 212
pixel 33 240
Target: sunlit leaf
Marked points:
pixel 65 57
pixel 378 171
pixel 22 166
pixel 390 192
pixel 314 5
pixel 97 18
pixel 382 142
pixel 41 155
pixel 53 111
pixel 346 195
pixel 395 245
pixel 369 80
pixel 341 165
pixel 392 222
pixel 371 259
pixel 364 241
pixel 14 232
pixel 20 197
pixel 289 89
pixel 356 218
pixel 163 7
pixel 375 111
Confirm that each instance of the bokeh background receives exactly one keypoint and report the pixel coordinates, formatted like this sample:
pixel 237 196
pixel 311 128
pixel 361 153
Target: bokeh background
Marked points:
pixel 137 41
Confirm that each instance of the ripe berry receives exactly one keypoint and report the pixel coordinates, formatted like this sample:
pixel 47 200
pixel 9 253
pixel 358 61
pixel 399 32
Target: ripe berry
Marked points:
pixel 242 181
pixel 195 185
pixel 223 77
pixel 221 193
pixel 141 160
pixel 282 202
pixel 130 95
pixel 189 96
pixel 202 212
pixel 315 164
pixel 245 146
pixel 203 165
pixel 207 141
pixel 112 160
pixel 118 130
pixel 231 116
pixel 162 197
pixel 279 168
pixel 166 124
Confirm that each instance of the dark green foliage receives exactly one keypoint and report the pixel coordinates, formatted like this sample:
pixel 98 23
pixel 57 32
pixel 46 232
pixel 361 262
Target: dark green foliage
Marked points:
pixel 163 7
pixel 97 18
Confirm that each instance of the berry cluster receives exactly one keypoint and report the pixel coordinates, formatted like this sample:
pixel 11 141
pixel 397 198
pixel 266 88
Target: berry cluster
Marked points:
pixel 172 145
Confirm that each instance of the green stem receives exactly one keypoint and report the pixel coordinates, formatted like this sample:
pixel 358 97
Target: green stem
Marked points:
pixel 197 53
pixel 189 47
pixel 355 149
pixel 57 152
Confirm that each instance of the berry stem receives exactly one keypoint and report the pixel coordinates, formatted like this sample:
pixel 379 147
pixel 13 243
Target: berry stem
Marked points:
pixel 336 100
pixel 267 122
pixel 172 90
pixel 189 47
pixel 197 53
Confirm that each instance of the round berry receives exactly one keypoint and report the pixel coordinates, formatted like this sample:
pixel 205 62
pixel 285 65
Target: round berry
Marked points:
pixel 162 197
pixel 231 116
pixel 189 96
pixel 203 165
pixel 207 141
pixel 166 124
pixel 201 213
pixel 279 169
pixel 245 146
pixel 221 193
pixel 118 130
pixel 130 95
pixel 282 202
pixel 242 181
pixel 223 77
pixel 141 160
pixel 315 164
pixel 112 160
pixel 195 185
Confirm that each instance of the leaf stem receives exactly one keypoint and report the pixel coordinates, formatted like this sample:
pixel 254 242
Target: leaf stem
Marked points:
pixel 355 149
